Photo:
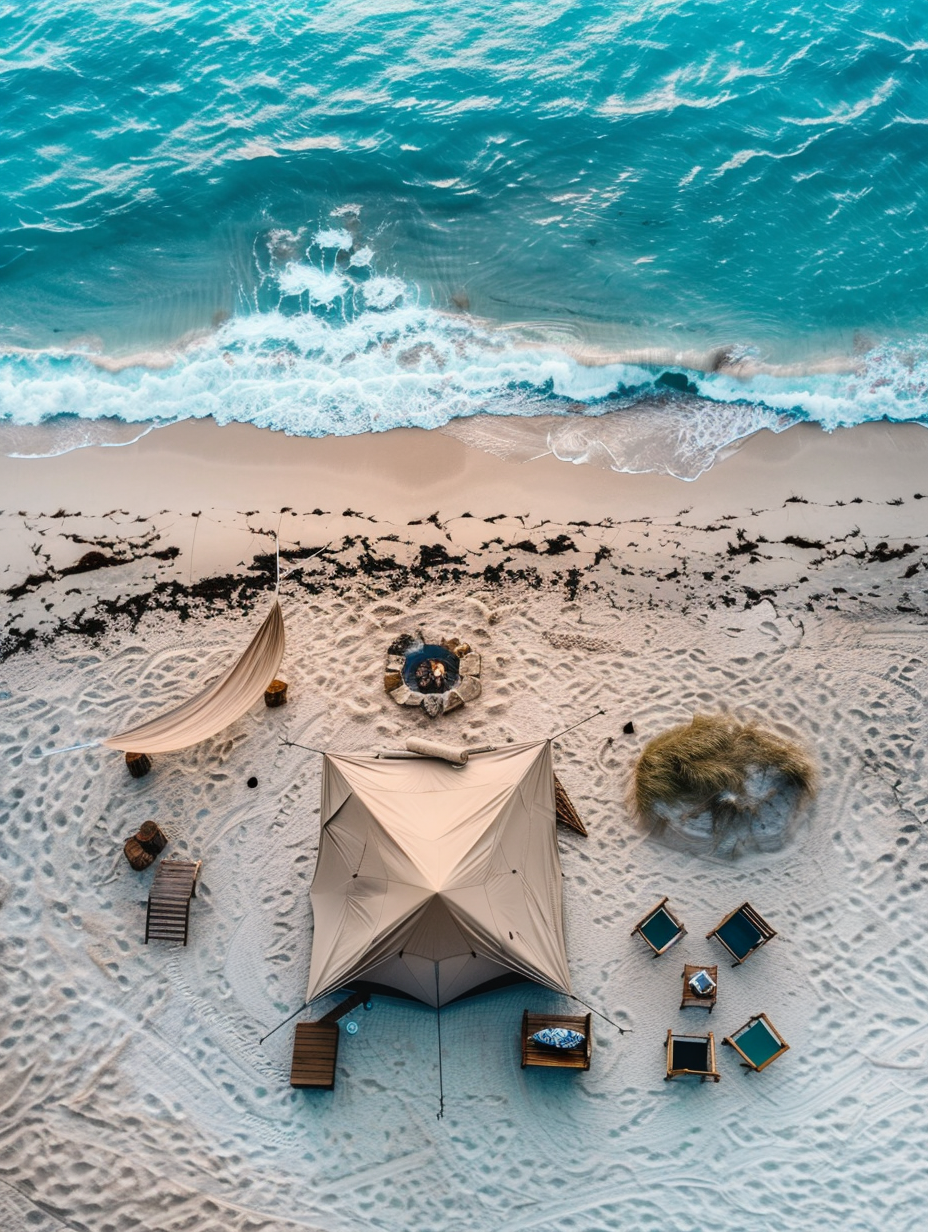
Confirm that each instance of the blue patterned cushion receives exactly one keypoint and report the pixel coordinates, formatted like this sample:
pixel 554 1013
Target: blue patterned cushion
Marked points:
pixel 559 1037
pixel 702 983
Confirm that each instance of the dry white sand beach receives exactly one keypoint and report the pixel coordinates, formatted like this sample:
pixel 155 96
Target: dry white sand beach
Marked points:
pixel 789 584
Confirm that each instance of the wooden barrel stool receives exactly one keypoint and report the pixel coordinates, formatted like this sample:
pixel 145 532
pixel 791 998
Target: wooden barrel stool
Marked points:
pixel 276 693
pixel 141 849
pixel 138 764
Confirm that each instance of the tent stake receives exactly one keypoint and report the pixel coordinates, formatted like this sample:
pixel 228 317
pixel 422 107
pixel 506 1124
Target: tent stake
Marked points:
pixel 292 744
pixel 285 1021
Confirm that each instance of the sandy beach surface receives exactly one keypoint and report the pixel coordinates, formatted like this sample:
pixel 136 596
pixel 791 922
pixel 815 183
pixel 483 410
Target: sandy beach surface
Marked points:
pixel 788 584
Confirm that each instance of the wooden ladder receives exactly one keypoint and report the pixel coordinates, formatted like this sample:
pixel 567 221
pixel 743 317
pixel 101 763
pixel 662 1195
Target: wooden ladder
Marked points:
pixel 169 901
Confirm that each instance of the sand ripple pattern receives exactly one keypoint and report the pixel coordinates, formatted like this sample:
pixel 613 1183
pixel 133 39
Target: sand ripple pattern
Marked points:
pixel 134 1090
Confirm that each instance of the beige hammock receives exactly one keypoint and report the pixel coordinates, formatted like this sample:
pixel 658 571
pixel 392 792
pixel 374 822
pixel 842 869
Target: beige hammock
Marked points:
pixel 216 707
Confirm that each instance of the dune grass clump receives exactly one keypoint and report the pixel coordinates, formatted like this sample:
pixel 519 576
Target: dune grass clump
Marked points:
pixel 714 763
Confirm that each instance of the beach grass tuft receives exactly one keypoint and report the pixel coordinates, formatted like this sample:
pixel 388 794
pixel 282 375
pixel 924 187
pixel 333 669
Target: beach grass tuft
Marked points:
pixel 709 763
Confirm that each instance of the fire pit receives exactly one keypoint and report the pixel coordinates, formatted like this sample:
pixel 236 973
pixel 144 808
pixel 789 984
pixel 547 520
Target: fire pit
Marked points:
pixel 439 674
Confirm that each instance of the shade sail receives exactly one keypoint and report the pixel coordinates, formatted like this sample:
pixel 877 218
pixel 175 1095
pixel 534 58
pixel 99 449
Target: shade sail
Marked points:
pixel 433 881
pixel 216 707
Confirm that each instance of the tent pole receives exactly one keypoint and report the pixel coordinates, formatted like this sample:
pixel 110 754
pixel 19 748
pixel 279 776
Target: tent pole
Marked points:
pixel 441 1081
pixel 285 1021
pixel 599 1014
pixel 580 724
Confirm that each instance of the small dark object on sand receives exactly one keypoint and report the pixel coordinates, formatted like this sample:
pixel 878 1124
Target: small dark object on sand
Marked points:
pixel 252 782
pixel 629 728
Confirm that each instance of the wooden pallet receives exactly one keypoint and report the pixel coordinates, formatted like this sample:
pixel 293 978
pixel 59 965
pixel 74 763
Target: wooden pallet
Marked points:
pixel 534 1053
pixel 315 1052
pixel 168 914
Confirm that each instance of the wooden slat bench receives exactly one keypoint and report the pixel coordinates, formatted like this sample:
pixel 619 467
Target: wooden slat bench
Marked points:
pixel 534 1053
pixel 315 1052
pixel 168 914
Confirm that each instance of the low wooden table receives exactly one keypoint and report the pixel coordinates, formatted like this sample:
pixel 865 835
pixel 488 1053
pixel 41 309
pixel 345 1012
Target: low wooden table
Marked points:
pixel 534 1053
pixel 691 998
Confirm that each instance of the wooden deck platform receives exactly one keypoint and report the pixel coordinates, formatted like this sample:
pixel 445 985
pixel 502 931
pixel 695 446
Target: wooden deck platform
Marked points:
pixel 315 1053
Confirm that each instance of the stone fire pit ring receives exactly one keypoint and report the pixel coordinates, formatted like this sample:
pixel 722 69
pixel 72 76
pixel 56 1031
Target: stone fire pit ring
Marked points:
pixel 437 673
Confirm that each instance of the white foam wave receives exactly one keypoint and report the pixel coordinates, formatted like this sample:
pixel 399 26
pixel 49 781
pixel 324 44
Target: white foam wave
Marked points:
pixel 345 349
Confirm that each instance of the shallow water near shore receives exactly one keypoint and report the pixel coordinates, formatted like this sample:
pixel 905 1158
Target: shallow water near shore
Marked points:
pixel 359 217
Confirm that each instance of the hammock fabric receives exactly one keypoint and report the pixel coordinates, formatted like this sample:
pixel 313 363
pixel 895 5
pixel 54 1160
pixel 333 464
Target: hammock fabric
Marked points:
pixel 222 703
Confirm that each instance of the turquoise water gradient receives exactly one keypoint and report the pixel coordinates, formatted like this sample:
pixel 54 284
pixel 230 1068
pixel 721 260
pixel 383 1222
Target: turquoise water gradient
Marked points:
pixel 681 175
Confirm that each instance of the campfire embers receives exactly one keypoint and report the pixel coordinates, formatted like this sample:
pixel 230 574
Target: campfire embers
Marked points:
pixel 438 674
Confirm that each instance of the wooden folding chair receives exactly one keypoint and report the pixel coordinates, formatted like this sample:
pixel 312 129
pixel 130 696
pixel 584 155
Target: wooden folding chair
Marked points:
pixel 758 1042
pixel 660 928
pixel 691 1056
pixel 743 931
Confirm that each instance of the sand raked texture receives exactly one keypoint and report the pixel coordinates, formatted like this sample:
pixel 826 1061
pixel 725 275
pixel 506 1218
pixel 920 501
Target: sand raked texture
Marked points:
pixel 136 1095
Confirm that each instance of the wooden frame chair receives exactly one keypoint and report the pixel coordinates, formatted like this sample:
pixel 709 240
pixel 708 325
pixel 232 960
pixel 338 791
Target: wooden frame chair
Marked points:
pixel 692 999
pixel 743 931
pixel 660 928
pixel 758 1042
pixel 691 1056
pixel 534 1053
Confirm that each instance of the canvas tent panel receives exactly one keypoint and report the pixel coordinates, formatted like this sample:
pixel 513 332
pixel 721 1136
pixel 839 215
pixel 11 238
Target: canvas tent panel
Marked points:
pixel 222 703
pixel 448 841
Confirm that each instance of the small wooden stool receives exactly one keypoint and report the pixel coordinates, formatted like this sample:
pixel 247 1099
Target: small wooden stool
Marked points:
pixel 140 850
pixel 702 1000
pixel 138 764
pixel 276 694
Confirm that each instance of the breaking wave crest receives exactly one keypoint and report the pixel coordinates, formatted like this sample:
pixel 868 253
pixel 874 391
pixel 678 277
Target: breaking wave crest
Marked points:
pixel 327 345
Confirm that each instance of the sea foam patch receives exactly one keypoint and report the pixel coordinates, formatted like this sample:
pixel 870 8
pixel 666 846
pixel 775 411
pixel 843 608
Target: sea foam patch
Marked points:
pixel 334 346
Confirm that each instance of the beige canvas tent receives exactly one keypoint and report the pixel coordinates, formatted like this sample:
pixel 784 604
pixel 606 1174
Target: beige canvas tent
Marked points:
pixel 436 882
pixel 220 704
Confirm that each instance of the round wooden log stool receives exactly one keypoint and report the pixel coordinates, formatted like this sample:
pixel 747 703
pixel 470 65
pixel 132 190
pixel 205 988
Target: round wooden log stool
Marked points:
pixel 142 848
pixel 276 693
pixel 151 838
pixel 136 854
pixel 139 764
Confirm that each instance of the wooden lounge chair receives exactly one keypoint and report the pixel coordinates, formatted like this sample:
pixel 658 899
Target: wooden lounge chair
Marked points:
pixel 534 1053
pixel 660 928
pixel 168 915
pixel 691 1055
pixel 758 1042
pixel 691 998
pixel 742 932
pixel 315 1052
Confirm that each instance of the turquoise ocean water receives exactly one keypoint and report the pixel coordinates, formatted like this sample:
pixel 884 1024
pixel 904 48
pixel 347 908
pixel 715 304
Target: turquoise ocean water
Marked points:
pixel 338 217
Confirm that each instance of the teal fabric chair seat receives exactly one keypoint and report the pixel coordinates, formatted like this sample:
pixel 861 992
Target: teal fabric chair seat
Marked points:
pixel 758 1042
pixel 740 935
pixel 660 930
